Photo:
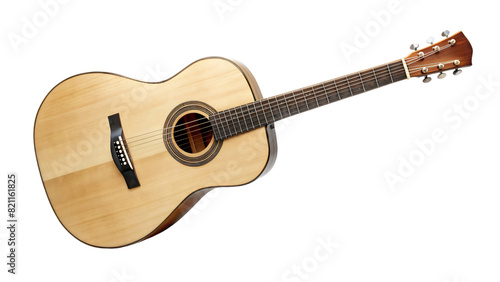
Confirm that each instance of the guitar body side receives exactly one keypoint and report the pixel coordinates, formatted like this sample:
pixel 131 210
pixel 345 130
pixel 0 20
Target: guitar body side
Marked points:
pixel 86 190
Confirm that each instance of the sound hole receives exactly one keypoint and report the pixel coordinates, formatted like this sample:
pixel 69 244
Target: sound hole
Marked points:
pixel 193 133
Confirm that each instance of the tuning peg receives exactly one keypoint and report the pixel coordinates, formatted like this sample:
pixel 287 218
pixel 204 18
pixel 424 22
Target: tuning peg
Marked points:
pixel 457 72
pixel 427 79
pixel 441 75
pixel 430 40
pixel 414 46
pixel 445 33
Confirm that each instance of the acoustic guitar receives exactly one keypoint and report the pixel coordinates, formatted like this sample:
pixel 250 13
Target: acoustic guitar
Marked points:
pixel 122 160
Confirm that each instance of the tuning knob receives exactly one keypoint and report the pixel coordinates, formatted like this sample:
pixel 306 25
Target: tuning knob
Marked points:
pixel 441 75
pixel 430 40
pixel 414 46
pixel 427 79
pixel 457 72
pixel 445 33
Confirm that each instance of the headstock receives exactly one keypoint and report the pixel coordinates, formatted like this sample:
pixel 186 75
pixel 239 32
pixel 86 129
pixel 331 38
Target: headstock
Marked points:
pixel 453 52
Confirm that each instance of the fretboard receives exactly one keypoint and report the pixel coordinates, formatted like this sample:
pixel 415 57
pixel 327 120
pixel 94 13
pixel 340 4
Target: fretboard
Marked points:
pixel 262 112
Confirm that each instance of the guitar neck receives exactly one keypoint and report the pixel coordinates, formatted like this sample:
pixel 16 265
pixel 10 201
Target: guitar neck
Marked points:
pixel 262 112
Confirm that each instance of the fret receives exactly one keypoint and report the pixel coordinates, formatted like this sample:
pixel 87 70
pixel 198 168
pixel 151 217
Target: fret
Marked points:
pixel 256 113
pixel 278 105
pixel 296 104
pixel 286 103
pixel 232 121
pixel 238 119
pixel 244 118
pixel 390 72
pixel 223 126
pixel 338 92
pixel 383 76
pixel 263 111
pixel 250 115
pixel 375 75
pixel 326 93
pixel 357 84
pixel 361 79
pixel 348 85
pixel 368 80
pixel 305 98
pixel 287 97
pixel 400 73
pixel 215 125
pixel 271 109
pixel 229 121
pixel 220 125
pixel 314 94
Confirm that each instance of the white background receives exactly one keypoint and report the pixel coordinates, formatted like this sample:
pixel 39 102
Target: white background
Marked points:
pixel 328 184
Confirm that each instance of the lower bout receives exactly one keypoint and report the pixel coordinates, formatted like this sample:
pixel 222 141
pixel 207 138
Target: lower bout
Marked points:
pixel 102 212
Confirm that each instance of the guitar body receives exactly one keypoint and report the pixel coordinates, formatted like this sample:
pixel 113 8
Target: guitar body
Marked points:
pixel 85 187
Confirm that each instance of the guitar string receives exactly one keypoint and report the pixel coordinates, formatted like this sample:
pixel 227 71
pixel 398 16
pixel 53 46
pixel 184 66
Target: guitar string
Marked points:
pixel 299 99
pixel 137 136
pixel 409 60
pixel 306 93
pixel 419 67
pixel 273 102
pixel 305 99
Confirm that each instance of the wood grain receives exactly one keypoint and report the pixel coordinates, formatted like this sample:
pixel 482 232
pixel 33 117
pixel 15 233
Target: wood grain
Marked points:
pixel 85 189
pixel 461 50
